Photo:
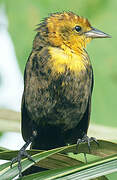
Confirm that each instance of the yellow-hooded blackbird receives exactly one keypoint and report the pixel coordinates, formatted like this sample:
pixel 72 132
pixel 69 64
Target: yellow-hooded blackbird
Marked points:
pixel 58 83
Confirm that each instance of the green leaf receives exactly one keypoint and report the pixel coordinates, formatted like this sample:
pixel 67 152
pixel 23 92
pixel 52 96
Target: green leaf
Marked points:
pixel 8 172
pixel 3 149
pixel 5 165
pixel 85 172
pixel 9 154
pixel 101 178
pixel 58 160
pixel 55 161
pixel 104 149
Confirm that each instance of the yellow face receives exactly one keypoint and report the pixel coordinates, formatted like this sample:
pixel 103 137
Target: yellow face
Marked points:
pixel 68 29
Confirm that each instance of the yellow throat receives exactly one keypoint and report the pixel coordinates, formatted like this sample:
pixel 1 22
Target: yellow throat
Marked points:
pixel 66 59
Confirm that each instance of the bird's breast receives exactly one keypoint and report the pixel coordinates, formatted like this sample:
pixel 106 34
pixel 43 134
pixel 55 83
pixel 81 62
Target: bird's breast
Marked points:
pixel 62 60
pixel 72 75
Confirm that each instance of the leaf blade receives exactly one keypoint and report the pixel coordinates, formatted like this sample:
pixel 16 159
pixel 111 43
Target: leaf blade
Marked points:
pixel 13 172
pixel 84 172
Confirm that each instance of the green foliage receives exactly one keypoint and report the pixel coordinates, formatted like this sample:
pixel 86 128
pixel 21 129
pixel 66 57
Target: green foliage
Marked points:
pixel 62 166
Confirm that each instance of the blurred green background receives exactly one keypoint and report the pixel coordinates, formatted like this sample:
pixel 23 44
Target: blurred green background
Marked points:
pixel 23 17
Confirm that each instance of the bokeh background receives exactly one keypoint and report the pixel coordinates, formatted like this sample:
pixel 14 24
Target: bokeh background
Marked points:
pixel 24 15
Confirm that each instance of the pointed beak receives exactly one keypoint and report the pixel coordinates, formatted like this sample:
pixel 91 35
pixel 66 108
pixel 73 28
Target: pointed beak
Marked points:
pixel 95 33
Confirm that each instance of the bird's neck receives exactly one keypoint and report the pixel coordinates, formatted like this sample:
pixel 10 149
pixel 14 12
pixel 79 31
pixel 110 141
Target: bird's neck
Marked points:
pixel 78 51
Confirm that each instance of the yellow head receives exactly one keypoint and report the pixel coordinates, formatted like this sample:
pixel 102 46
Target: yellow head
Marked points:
pixel 71 30
pixel 70 33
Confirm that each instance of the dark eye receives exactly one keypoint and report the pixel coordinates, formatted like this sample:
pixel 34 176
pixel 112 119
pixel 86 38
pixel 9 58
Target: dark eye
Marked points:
pixel 78 28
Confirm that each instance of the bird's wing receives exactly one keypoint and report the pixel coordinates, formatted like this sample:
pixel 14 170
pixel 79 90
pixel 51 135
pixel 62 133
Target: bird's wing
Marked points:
pixel 36 101
pixel 26 126
pixel 84 123
pixel 89 102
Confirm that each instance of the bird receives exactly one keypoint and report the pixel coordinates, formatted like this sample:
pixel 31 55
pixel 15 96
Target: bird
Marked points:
pixel 58 84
